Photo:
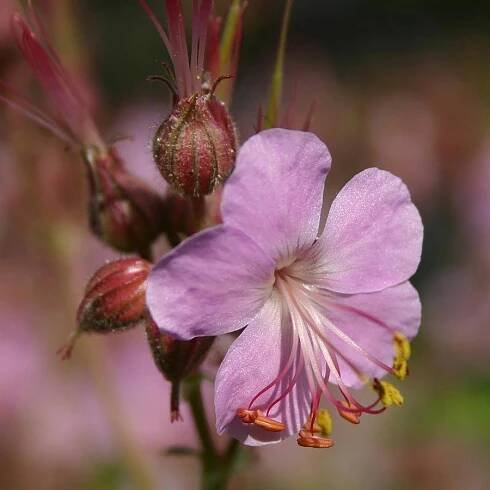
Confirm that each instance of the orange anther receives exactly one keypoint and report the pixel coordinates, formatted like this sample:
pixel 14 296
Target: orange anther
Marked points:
pixel 316 429
pixel 247 416
pixel 307 433
pixel 256 417
pixel 269 424
pixel 307 439
pixel 352 417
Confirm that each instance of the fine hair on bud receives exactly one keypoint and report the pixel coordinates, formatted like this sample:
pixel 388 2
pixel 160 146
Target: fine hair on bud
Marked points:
pixel 195 148
pixel 114 300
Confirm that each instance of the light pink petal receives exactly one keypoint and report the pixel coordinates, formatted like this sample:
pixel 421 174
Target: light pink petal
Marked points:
pixel 372 237
pixel 371 321
pixel 213 283
pixel 275 194
pixel 253 361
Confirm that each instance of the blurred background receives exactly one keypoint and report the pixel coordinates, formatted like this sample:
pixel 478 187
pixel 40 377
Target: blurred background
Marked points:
pixel 400 84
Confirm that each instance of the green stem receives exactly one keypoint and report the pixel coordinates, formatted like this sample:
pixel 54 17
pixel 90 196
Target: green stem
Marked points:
pixel 275 93
pixel 216 468
pixel 200 420
pixel 225 90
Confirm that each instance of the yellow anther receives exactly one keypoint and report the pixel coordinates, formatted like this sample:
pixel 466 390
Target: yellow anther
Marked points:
pixel 324 421
pixel 402 346
pixel 389 394
pixel 400 369
pixel 402 354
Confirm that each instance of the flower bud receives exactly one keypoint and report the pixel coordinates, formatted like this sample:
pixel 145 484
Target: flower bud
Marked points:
pixel 114 300
pixel 195 148
pixel 124 212
pixel 115 297
pixel 176 359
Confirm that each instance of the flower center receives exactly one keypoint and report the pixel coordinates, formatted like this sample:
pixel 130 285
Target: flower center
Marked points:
pixel 313 360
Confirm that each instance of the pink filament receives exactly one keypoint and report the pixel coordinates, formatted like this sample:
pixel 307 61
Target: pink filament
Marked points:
pixel 343 336
pixel 315 403
pixel 281 374
pixel 332 366
pixel 336 373
pixel 364 315
pixel 290 387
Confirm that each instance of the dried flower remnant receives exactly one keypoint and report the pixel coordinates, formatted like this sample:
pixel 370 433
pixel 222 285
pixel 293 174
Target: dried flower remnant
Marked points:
pixel 125 213
pixel 320 309
pixel 195 147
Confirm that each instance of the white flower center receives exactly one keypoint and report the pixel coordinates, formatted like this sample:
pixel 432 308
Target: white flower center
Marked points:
pixel 310 335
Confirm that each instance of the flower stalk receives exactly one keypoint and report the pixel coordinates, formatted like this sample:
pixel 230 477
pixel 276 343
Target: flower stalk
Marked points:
pixel 216 467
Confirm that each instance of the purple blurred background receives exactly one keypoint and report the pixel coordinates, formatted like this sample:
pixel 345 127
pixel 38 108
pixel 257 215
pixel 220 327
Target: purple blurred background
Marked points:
pixel 400 84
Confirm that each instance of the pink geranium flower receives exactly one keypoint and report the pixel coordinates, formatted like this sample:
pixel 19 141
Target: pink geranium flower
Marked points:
pixel 320 309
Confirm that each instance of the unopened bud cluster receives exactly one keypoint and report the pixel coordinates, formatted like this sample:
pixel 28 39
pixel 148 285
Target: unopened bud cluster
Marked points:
pixel 195 148
pixel 114 301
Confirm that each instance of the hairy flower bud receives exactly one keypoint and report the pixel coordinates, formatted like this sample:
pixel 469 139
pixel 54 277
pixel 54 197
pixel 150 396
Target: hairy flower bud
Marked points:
pixel 115 297
pixel 124 211
pixel 176 359
pixel 114 300
pixel 195 148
